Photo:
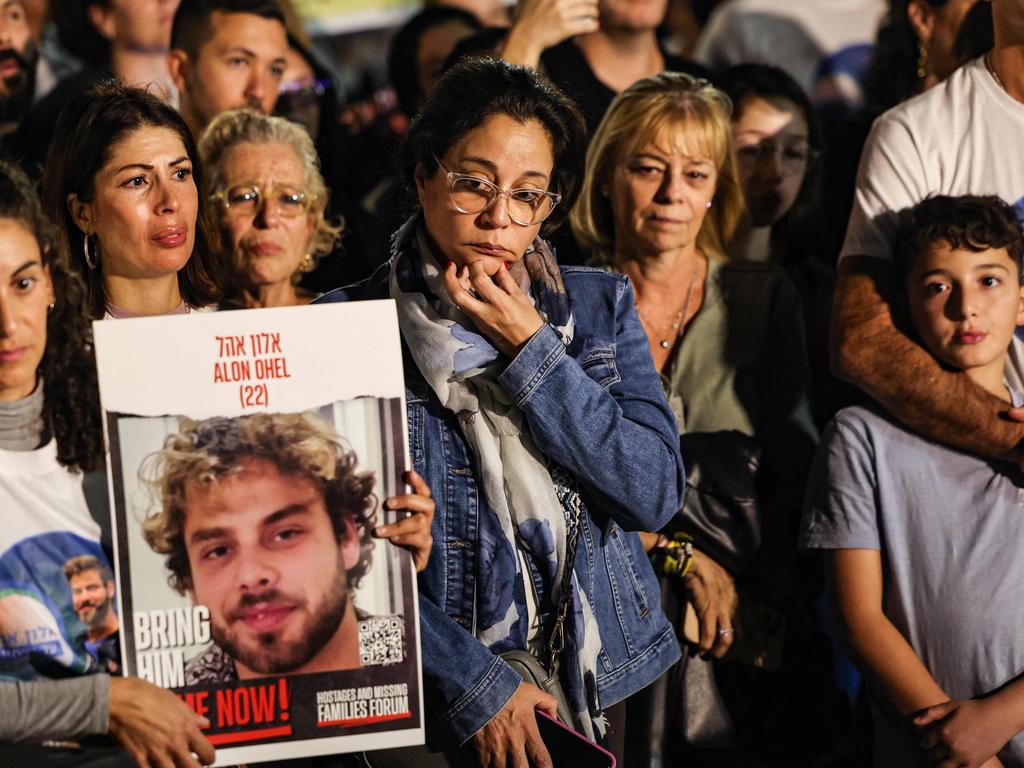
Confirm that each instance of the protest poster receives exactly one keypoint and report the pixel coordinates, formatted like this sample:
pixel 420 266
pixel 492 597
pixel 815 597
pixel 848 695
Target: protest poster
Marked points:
pixel 250 453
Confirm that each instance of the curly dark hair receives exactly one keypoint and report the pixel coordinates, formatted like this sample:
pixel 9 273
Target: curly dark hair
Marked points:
pixel 206 451
pixel 71 403
pixel 968 222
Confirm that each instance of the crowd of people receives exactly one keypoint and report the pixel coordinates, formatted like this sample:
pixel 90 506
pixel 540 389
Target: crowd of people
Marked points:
pixel 708 316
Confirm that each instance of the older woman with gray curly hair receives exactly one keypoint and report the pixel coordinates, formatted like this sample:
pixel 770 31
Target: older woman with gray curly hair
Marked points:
pixel 269 200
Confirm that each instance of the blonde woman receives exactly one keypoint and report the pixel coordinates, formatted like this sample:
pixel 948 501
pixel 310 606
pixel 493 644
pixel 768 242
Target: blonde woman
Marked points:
pixel 660 203
pixel 268 204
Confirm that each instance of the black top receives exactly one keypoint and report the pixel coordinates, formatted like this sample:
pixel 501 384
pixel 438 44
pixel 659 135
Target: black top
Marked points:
pixel 31 142
pixel 567 68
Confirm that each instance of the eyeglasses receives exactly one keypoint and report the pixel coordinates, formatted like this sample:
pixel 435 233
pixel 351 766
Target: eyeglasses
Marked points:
pixel 246 199
pixel 526 206
pixel 795 158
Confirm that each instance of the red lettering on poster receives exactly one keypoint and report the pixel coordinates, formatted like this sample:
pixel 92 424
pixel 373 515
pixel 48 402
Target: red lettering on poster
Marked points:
pixel 249 361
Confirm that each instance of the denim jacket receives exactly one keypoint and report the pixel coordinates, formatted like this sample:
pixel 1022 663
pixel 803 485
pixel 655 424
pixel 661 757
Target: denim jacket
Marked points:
pixel 597 408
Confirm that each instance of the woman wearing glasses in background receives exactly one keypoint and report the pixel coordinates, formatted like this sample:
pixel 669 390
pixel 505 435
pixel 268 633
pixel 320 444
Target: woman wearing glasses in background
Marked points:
pixel 268 201
pixel 778 145
pixel 535 412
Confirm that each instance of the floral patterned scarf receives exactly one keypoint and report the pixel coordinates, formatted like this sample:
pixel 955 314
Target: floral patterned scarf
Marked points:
pixel 528 496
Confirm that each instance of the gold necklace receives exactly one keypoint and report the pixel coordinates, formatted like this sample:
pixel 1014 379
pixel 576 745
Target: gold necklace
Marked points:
pixel 678 323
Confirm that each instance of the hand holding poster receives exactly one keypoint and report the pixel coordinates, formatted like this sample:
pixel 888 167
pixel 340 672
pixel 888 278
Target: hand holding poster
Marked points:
pixel 249 460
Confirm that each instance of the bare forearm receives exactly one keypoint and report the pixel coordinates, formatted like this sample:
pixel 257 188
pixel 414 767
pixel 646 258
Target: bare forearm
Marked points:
pixel 521 47
pixel 870 351
pixel 1012 698
pixel 886 659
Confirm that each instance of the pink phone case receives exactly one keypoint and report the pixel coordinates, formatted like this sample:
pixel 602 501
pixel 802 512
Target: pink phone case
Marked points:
pixel 580 751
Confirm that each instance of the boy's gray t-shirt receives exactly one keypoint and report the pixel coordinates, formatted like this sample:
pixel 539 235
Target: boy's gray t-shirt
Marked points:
pixel 950 527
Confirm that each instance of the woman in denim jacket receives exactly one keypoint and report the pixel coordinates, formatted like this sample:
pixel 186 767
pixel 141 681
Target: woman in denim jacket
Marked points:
pixel 532 402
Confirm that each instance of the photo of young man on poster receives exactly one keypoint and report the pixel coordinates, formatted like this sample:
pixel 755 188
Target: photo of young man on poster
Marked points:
pixel 265 520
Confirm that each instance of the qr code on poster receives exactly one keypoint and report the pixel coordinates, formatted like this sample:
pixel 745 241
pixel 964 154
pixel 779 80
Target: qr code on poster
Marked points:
pixel 381 640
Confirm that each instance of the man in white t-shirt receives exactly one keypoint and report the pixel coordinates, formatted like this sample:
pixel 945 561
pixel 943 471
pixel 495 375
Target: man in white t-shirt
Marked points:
pixel 825 45
pixel 964 136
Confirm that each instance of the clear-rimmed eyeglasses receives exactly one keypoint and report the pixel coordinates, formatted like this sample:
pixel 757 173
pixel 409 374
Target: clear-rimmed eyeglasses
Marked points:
pixel 526 205
pixel 796 158
pixel 246 199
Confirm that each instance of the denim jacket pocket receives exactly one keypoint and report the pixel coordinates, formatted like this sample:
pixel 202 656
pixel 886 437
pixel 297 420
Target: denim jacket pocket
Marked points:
pixel 598 362
pixel 632 606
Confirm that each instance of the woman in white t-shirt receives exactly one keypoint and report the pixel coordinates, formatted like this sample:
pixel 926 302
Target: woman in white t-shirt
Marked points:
pixel 53 681
pixel 121 181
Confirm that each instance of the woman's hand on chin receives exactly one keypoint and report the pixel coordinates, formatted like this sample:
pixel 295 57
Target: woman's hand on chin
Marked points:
pixel 496 305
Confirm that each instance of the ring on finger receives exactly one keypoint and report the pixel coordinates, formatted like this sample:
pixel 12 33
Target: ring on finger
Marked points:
pixel 726 632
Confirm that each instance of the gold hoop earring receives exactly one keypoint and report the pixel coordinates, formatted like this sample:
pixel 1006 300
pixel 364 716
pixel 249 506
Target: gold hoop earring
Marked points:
pixel 90 261
pixel 922 61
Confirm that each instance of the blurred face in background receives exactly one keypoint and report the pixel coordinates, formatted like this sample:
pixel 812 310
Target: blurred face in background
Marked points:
pixel 240 64
pixel 436 44
pixel 18 57
pixel 298 97
pixel 774 155
pixel 136 25
pixel 632 15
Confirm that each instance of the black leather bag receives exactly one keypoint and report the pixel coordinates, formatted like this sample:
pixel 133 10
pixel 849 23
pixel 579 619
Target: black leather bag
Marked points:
pixel 720 511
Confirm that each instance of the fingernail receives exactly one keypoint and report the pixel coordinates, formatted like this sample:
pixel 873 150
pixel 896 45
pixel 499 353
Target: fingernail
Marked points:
pixel 381 530
pixel 505 263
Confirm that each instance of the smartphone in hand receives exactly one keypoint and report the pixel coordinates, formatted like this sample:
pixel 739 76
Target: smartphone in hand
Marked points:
pixel 569 749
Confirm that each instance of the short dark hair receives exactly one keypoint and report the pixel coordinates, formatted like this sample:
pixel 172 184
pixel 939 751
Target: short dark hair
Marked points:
pixel 77 34
pixel 191 26
pixel 76 566
pixel 474 91
pixel 88 128
pixel 403 66
pixel 969 222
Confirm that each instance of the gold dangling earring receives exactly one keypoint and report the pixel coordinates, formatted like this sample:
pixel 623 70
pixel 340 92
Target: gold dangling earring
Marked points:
pixel 922 61
pixel 307 263
pixel 90 262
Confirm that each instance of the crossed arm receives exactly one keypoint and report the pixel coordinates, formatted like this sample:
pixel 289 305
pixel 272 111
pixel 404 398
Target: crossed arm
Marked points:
pixel 953 734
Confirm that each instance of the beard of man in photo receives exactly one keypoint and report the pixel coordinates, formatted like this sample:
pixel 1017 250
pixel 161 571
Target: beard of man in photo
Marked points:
pixel 268 655
pixel 266 521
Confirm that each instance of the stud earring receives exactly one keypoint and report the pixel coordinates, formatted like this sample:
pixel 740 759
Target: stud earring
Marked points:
pixel 708 204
